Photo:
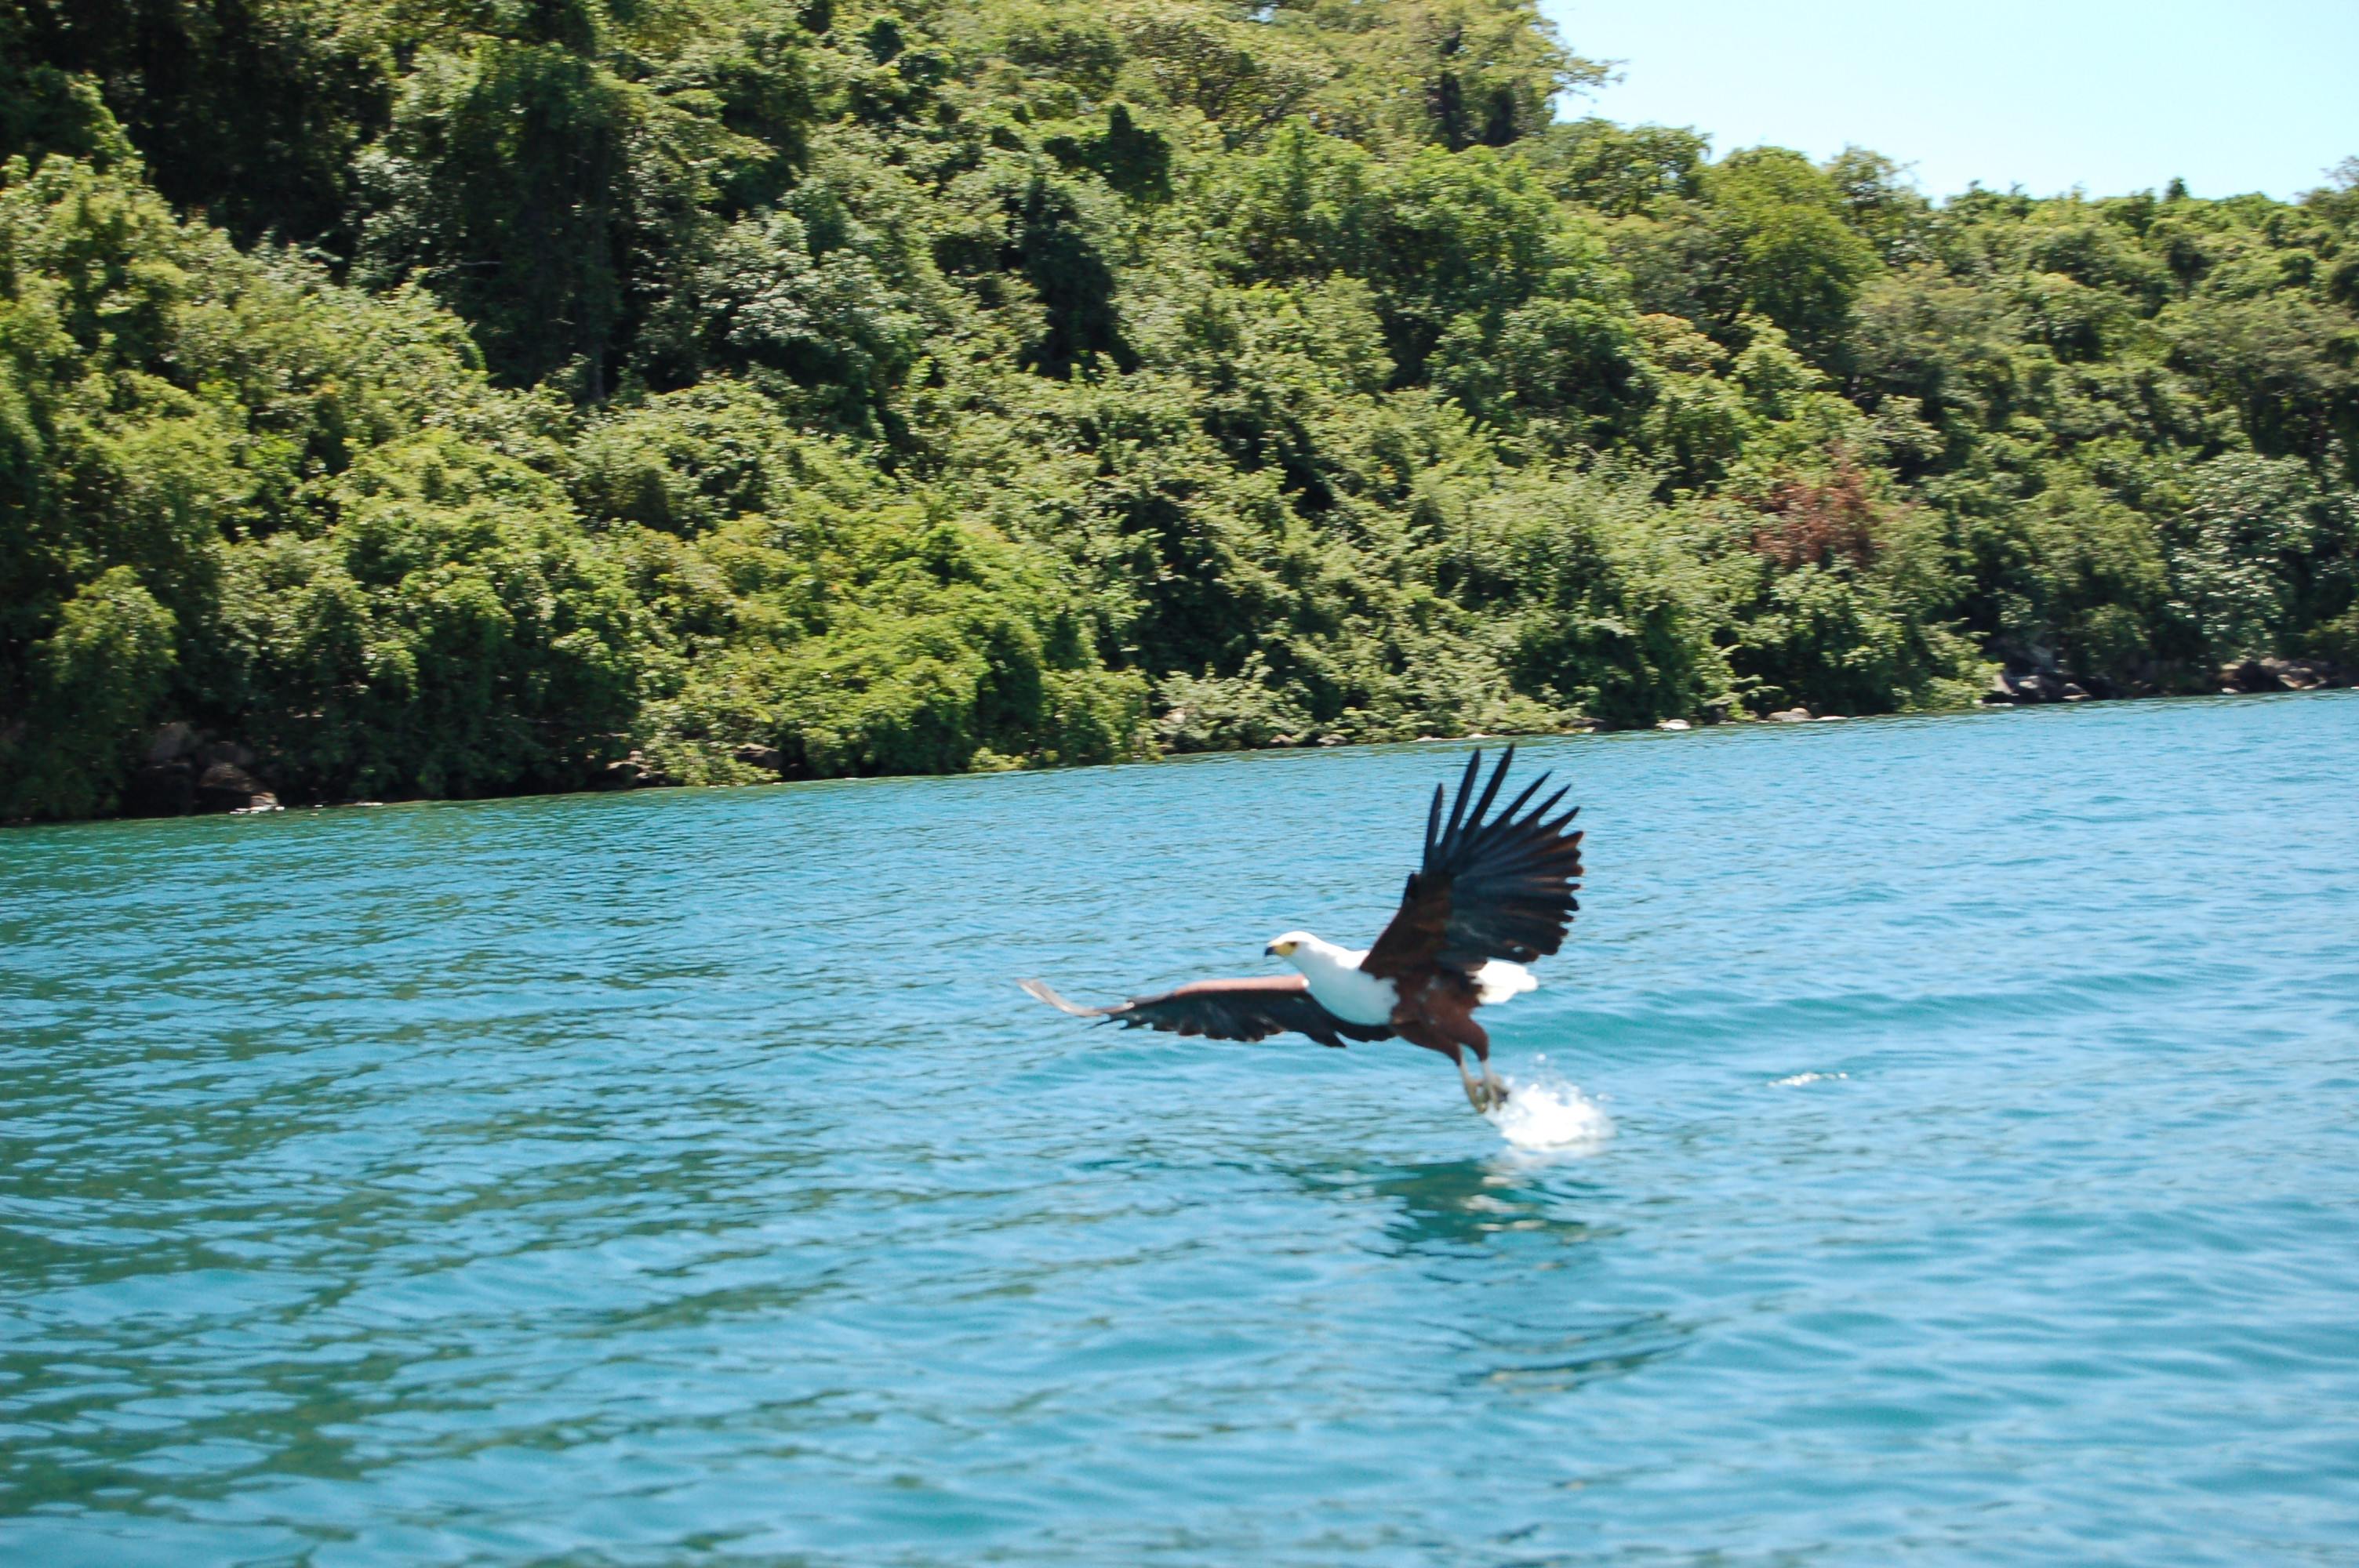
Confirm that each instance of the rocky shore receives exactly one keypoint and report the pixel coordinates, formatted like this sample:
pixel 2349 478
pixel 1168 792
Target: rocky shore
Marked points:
pixel 2025 683
pixel 186 772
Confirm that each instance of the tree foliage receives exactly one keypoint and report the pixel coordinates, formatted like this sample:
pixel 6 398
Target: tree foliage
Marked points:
pixel 451 399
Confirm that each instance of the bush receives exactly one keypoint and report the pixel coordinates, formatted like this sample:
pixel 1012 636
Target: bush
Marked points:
pixel 748 384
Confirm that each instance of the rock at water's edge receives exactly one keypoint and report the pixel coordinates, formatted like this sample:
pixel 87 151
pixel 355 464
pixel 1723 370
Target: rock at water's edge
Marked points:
pixel 634 772
pixel 2280 674
pixel 226 786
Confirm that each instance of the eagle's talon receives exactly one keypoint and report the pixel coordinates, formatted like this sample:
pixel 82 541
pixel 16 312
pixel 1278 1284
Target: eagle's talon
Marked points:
pixel 1485 1094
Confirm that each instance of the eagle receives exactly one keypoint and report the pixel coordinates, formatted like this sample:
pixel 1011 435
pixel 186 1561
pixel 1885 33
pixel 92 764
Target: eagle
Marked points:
pixel 1491 895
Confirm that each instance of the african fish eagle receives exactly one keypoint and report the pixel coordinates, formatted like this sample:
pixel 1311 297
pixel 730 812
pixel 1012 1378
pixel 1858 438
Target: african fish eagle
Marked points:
pixel 1492 894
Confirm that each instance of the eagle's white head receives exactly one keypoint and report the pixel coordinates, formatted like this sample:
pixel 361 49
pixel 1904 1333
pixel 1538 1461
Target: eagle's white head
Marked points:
pixel 1292 942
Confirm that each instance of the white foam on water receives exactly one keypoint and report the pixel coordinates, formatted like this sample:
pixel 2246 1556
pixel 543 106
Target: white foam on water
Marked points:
pixel 1545 1111
pixel 1800 1078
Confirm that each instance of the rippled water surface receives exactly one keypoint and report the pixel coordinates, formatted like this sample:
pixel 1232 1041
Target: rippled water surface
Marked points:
pixel 1966 1167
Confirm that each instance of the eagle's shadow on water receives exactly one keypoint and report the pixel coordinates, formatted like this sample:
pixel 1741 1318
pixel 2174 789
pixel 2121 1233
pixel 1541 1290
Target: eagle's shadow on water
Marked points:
pixel 1502 1227
pixel 1462 1209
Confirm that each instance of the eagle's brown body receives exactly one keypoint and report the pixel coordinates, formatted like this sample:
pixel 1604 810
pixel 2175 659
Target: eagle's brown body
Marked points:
pixel 1437 1012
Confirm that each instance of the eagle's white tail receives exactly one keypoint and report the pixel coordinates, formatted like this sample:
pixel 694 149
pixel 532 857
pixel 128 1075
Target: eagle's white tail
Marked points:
pixel 1498 979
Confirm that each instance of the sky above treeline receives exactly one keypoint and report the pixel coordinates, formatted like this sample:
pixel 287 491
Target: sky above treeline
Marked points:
pixel 2110 95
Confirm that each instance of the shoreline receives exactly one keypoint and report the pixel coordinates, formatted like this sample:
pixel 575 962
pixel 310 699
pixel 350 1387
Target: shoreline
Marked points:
pixel 639 781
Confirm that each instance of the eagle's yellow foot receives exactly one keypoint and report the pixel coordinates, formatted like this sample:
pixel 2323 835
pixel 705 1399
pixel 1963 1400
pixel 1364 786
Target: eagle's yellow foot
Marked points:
pixel 1485 1094
pixel 1496 1086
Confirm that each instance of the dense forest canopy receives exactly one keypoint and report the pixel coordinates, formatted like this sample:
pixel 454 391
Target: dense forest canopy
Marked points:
pixel 449 397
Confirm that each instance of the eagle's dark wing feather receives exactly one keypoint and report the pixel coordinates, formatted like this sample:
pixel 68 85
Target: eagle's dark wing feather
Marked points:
pixel 1489 887
pixel 1227 1010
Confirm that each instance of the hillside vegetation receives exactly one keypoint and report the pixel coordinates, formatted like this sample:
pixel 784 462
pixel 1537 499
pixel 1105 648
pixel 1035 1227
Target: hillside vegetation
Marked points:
pixel 451 397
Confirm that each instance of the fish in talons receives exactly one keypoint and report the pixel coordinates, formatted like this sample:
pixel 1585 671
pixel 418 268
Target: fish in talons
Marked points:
pixel 1491 894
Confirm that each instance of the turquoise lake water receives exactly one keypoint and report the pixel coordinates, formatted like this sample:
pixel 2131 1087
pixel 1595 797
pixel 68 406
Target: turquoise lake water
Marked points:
pixel 1963 1167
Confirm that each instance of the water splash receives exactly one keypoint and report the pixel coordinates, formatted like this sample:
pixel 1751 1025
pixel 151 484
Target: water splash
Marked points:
pixel 1800 1078
pixel 1545 1111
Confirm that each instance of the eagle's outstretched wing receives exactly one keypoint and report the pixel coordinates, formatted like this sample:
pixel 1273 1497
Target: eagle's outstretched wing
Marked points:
pixel 1227 1010
pixel 1496 889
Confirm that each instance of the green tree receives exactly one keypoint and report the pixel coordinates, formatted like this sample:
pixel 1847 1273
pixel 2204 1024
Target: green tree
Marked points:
pixel 93 682
pixel 1792 257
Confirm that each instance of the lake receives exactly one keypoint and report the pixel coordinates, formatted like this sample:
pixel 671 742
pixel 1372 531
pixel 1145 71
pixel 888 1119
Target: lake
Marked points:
pixel 1940 1143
